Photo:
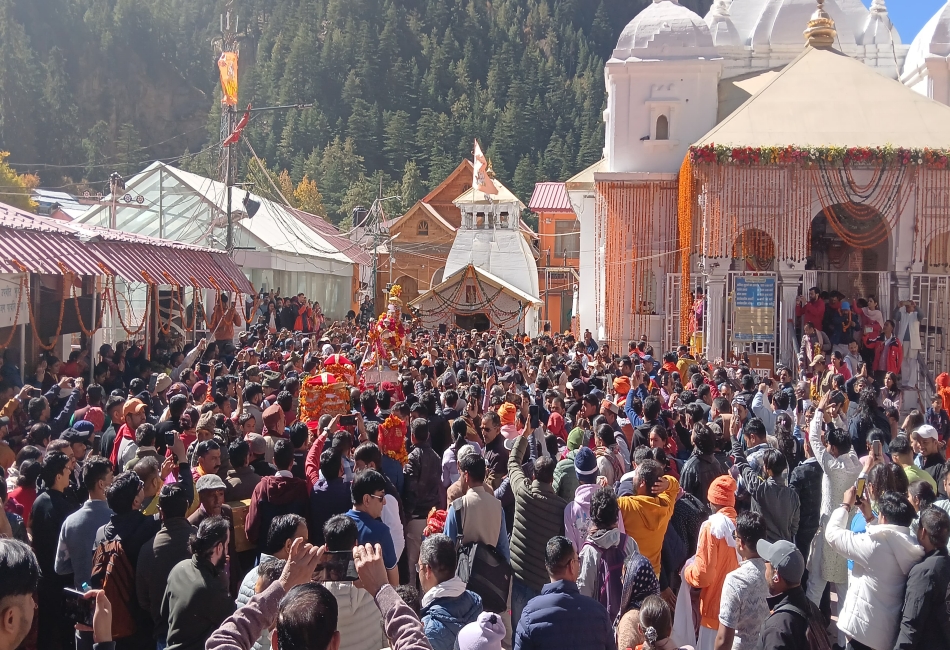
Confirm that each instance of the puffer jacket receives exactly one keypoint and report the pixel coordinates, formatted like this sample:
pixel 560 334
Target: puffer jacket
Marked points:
pixel 698 473
pixel 246 592
pixel 599 541
pixel 563 618
pixel 423 489
pixel 882 559
pixel 359 622
pixel 539 516
pixel 446 609
pixel 565 478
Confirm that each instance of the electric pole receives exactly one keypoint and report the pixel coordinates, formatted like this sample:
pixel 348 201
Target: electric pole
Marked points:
pixel 227 42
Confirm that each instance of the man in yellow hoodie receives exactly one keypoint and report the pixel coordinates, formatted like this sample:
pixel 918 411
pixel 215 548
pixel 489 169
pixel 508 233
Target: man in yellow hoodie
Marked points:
pixel 647 513
pixel 716 556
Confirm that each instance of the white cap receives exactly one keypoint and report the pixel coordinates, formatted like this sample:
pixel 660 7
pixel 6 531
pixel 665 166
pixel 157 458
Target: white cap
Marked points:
pixel 926 431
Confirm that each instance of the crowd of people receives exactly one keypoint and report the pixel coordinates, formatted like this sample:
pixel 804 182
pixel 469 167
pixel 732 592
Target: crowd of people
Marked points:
pixel 541 492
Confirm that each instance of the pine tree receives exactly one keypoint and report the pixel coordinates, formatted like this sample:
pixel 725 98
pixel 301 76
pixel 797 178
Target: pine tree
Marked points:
pixel 523 182
pixel 94 146
pixel 128 151
pixel 19 92
pixel 412 188
pixel 398 139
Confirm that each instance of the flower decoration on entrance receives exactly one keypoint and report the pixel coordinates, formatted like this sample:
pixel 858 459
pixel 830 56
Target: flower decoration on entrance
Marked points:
pixel 789 155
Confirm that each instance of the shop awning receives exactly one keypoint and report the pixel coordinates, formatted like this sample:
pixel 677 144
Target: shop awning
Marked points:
pixel 41 245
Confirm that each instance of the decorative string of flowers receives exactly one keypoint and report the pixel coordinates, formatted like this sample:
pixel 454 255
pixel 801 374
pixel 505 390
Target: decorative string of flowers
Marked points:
pixel 806 156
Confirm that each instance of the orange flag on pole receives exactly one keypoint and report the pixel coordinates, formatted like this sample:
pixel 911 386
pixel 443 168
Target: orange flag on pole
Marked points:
pixel 480 179
pixel 228 71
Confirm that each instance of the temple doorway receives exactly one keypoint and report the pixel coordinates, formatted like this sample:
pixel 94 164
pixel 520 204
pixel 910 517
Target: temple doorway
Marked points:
pixel 849 250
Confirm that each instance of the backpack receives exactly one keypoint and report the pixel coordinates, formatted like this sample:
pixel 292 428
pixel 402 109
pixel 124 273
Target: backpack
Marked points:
pixel 610 576
pixel 816 634
pixel 487 573
pixel 113 573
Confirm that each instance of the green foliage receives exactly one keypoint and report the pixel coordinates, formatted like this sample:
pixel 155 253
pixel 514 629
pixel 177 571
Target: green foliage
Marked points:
pixel 400 87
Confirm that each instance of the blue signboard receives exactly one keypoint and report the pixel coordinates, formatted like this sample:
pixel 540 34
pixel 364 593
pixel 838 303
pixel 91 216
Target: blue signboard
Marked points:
pixel 754 299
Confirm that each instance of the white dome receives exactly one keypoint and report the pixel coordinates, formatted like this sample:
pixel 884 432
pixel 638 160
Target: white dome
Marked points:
pixel 781 22
pixel 879 30
pixel 665 30
pixel 934 39
pixel 721 27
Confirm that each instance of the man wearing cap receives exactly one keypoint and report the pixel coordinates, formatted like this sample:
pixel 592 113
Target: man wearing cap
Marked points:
pixel 787 626
pixel 257 453
pixel 715 557
pixel 273 429
pixel 926 443
pixel 577 512
pixel 133 415
pixel 211 488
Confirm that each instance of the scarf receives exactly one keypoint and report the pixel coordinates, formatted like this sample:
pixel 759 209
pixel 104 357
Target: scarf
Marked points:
pixel 451 588
pixel 124 433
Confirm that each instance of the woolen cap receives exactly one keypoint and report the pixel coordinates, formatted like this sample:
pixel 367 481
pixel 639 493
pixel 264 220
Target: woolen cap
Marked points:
pixel 256 442
pixel 722 491
pixel 585 465
pixel 485 633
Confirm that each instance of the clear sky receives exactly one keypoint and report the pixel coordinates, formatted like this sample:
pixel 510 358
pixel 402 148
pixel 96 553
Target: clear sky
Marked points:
pixel 909 16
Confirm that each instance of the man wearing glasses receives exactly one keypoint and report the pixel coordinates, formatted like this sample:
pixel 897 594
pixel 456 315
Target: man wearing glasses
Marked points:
pixel 496 455
pixel 369 497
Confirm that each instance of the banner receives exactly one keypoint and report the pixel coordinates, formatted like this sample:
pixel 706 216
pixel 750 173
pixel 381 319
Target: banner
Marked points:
pixel 228 69
pixel 754 309
pixel 9 296
pixel 481 181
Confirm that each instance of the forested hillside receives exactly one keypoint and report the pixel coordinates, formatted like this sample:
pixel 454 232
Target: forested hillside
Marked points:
pixel 400 88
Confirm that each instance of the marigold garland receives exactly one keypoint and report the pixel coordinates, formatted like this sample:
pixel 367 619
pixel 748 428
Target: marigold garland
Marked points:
pixel 392 439
pixel 118 310
pixel 805 156
pixel 89 333
pixel 685 223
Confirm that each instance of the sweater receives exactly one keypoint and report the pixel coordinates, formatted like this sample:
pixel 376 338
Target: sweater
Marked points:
pixel 539 516
pixel 577 516
pixel 646 518
pixel 565 478
pixel 157 558
pixel 196 602
pixel 882 559
pixel 238 632
pixel 561 617
pixel 77 540
pixel 715 557
pixel 359 622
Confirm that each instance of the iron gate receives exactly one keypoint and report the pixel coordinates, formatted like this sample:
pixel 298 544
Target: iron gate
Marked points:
pixel 673 313
pixel 932 295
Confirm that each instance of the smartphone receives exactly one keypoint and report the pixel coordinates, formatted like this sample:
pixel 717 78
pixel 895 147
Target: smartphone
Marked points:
pixel 859 487
pixel 339 566
pixel 204 368
pixel 152 382
pixel 877 450
pixel 76 608
pixel 348 420
pixel 638 367
pixel 535 415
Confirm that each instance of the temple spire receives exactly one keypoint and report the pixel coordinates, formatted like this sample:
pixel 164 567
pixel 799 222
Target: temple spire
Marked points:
pixel 821 31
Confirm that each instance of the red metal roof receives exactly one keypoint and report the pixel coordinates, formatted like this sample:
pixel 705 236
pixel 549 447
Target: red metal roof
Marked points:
pixel 40 244
pixel 550 197
pixel 330 233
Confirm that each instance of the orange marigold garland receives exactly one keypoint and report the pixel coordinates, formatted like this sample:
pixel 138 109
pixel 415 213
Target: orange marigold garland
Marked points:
pixel 685 221
pixel 392 439
pixel 323 395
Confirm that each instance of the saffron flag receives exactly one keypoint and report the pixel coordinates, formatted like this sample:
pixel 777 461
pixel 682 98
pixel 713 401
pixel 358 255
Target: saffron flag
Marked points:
pixel 228 70
pixel 480 179
pixel 239 129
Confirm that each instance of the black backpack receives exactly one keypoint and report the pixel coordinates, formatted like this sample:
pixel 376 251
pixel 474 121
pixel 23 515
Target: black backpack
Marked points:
pixel 816 634
pixel 487 573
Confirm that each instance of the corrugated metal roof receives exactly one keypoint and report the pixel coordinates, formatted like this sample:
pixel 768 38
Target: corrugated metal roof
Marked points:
pixel 550 197
pixel 40 245
pixel 332 235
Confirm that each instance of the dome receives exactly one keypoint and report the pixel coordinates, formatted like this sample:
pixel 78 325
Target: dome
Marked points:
pixel 879 30
pixel 721 27
pixel 782 22
pixel 934 39
pixel 665 30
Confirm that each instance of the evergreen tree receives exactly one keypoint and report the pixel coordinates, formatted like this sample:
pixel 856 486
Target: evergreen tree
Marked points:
pixel 19 93
pixel 94 146
pixel 398 139
pixel 128 151
pixel 412 189
pixel 526 175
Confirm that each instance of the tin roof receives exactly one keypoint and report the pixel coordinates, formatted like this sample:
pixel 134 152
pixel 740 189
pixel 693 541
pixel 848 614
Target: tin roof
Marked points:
pixel 550 197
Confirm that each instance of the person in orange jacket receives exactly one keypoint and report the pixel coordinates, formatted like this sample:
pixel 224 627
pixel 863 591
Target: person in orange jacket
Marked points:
pixel 716 556
pixel 304 322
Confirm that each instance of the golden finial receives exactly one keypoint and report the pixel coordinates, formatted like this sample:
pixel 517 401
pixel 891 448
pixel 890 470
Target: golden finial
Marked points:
pixel 821 31
pixel 490 171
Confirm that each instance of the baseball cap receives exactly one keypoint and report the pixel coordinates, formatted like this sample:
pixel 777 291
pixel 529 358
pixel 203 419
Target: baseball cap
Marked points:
pixel 784 557
pixel 210 482
pixel 820 358
pixel 926 431
pixel 133 405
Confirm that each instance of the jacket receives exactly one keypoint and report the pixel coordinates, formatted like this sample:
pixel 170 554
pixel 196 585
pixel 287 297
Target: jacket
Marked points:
pixel 274 496
pixel 358 620
pixel 157 558
pixel 698 473
pixel 240 630
pixel 812 312
pixel 646 518
pixel 839 475
pixel 246 592
pixel 241 483
pixel 563 618
pixel 715 557
pixel 806 481
pixel 597 542
pixel 76 538
pixel 577 516
pixel 133 528
pixel 195 603
pixel 882 559
pixel 565 478
pixel 422 489
pixel 328 498
pixel 924 620
pixel 783 629
pixel 446 609
pixel 539 516
pixel 894 352
pixel 50 510
pixel 776 502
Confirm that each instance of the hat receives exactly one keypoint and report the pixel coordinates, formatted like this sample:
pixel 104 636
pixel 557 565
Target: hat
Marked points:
pixel 819 358
pixel 610 406
pixel 83 426
pixel 585 465
pixel 133 406
pixel 162 383
pixel 73 437
pixel 273 365
pixel 271 380
pixel 578 385
pixel 784 557
pixel 206 422
pixel 253 371
pixel 210 482
pixel 507 412
pixel 722 491
pixel 256 442
pixel 622 385
pixel 926 431
pixel 97 416
pixel 485 633
pixel 199 390
pixel 575 438
pixel 177 388
pixel 272 417
pixel 846 306
pixel 464 451
pixel 741 399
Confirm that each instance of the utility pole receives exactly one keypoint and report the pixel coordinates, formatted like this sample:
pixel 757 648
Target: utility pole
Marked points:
pixel 227 42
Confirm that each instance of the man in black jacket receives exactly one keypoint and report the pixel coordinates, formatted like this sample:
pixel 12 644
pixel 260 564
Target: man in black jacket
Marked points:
pixel 924 620
pixel 787 625
pixel 806 481
pixel 702 467
pixel 422 490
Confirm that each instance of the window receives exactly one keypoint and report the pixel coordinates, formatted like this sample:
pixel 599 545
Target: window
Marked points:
pixel 663 128
pixel 423 229
pixel 567 238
